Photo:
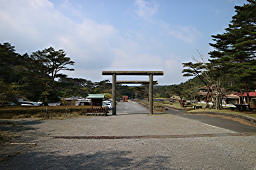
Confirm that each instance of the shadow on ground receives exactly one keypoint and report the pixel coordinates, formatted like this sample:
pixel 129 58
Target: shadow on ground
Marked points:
pixel 15 130
pixel 98 160
pixel 18 125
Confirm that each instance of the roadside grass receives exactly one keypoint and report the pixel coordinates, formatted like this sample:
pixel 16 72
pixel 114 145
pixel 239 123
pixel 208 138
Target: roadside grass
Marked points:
pixel 175 105
pixel 43 116
pixel 58 116
pixel 227 111
pixel 160 106
pixel 49 112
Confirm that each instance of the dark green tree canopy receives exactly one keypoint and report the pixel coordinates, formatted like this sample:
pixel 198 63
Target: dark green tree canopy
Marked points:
pixel 53 61
pixel 235 49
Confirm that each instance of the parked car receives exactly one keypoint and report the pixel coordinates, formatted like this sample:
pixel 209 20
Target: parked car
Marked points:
pixel 29 103
pixel 107 101
pixel 107 104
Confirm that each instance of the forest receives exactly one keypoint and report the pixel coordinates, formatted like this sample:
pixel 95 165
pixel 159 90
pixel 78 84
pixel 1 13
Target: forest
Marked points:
pixel 39 77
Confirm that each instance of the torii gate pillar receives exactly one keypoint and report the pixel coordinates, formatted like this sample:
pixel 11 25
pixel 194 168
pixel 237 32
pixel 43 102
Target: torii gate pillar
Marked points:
pixel 114 94
pixel 150 94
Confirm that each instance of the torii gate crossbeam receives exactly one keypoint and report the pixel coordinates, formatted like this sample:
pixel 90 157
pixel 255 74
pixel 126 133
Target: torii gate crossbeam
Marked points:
pixel 135 82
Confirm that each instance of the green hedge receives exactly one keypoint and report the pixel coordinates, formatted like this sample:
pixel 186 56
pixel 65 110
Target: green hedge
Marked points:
pixel 9 112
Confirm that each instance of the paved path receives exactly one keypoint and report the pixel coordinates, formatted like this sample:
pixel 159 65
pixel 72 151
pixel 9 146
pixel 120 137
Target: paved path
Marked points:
pixel 233 124
pixel 167 141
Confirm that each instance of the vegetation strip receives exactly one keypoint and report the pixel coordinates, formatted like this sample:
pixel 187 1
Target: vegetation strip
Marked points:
pixel 48 112
pixel 249 119
pixel 156 136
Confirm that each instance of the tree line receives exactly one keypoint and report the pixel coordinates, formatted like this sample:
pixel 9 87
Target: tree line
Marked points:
pixel 39 76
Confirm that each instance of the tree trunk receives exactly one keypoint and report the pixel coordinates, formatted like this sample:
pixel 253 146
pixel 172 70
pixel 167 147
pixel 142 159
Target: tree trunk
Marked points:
pixel 218 104
pixel 207 97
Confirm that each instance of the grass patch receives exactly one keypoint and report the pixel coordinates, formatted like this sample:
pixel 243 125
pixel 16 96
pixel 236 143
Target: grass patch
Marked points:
pixel 160 106
pixel 49 112
pixel 250 114
pixel 176 105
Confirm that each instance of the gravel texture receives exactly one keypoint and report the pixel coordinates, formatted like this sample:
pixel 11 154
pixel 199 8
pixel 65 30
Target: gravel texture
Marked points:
pixel 228 152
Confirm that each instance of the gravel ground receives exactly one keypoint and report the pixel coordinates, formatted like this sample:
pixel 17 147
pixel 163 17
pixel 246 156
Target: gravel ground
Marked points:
pixel 226 152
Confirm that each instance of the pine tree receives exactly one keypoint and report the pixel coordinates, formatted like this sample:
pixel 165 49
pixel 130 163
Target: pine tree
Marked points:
pixel 235 49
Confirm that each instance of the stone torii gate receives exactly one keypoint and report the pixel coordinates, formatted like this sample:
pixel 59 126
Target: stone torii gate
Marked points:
pixel 137 73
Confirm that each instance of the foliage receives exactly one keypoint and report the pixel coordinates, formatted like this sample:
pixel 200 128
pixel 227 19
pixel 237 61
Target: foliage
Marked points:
pixel 235 49
pixel 52 61
pixel 39 77
pixel 232 63
pixel 7 93
pixel 69 87
pixel 108 95
pixel 30 77
pixel 187 90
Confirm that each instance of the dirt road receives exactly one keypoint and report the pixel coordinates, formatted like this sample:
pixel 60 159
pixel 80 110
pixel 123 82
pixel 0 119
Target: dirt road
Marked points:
pixel 133 140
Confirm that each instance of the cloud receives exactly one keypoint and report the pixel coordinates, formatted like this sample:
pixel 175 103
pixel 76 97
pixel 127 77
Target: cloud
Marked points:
pixel 71 9
pixel 188 34
pixel 33 25
pixel 146 8
pixel 37 24
pixel 173 72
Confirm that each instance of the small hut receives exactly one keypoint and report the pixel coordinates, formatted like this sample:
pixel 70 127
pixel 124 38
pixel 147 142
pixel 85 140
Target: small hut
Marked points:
pixel 96 99
pixel 232 98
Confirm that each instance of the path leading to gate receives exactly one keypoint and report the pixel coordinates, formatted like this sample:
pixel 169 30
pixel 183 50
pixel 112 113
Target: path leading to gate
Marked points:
pixel 131 107
pixel 134 140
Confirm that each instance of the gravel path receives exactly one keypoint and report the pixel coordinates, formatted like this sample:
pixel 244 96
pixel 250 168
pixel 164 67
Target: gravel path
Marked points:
pixel 223 152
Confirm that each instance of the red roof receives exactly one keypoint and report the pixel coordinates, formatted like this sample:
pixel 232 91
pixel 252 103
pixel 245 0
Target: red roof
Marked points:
pixel 251 94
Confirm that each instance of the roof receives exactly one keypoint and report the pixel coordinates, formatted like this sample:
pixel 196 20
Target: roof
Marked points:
pixel 95 96
pixel 232 96
pixel 251 94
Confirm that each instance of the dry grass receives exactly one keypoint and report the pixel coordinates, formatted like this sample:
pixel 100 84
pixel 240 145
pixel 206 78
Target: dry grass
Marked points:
pixel 47 112
pixel 177 105
pixel 250 114
pixel 160 106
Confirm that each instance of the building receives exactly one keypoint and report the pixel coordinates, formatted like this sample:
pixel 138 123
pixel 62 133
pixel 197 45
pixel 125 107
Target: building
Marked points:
pixel 249 98
pixel 96 99
pixel 125 98
pixel 233 98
